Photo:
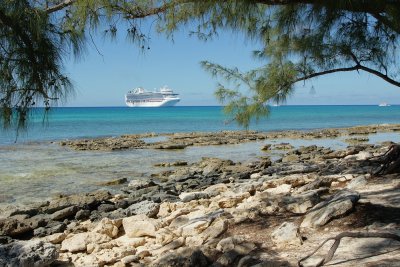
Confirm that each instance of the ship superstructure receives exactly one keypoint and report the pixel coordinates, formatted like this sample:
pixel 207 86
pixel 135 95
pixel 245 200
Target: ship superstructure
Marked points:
pixel 139 97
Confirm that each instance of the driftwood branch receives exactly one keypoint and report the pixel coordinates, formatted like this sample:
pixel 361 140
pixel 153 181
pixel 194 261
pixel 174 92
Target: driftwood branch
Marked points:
pixel 339 237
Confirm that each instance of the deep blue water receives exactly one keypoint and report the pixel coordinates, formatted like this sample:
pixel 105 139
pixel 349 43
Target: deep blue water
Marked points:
pixel 68 123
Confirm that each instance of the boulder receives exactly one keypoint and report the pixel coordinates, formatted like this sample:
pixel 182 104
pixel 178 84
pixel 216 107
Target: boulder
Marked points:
pixel 357 183
pixel 237 244
pixel 170 246
pixel 213 165
pixel 107 227
pixel 140 184
pixel 90 200
pixel 56 238
pixel 82 215
pixel 215 190
pixel 300 203
pixel 217 228
pixel 140 225
pixel 194 227
pixel 228 258
pixel 248 261
pixel 13 227
pixel 146 207
pixel 229 202
pixel 266 147
pixel 28 253
pixel 189 196
pixel 165 236
pixel 130 242
pixel 279 190
pixel 64 213
pixel 183 257
pixel 286 233
pixel 291 158
pixel 337 205
pixel 79 242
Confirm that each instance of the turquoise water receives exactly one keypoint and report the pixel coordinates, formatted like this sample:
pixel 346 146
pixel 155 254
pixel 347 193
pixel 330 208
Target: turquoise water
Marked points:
pixel 33 169
pixel 69 123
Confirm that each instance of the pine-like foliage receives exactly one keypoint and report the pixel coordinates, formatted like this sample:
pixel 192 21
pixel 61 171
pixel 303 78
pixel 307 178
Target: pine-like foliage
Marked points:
pixel 303 40
pixel 30 62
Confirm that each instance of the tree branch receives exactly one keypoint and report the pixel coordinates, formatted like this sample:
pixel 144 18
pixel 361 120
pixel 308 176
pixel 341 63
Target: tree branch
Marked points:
pixel 59 6
pixel 316 74
pixel 356 67
pixel 338 238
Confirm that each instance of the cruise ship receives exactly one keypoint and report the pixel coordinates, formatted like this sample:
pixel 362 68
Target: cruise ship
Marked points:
pixel 139 97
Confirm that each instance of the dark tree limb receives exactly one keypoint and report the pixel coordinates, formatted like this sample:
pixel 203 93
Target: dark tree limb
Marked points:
pixel 338 238
pixel 60 6
pixel 354 68
pixel 389 162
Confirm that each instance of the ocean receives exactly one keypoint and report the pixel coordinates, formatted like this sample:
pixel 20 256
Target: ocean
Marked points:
pixel 81 122
pixel 34 168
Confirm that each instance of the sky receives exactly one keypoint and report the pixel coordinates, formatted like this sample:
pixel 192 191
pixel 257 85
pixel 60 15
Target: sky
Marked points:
pixel 111 68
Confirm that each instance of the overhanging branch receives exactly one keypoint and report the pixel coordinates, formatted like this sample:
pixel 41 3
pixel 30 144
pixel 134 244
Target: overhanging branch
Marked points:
pixel 356 67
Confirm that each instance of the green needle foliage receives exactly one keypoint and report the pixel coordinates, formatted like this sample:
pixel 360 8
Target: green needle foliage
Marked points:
pixel 300 40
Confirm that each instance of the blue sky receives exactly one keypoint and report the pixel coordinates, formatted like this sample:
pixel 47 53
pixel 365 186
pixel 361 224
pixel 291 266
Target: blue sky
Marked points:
pixel 102 80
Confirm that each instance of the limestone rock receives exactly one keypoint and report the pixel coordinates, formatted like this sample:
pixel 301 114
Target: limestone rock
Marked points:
pixel 82 214
pixel 215 190
pixel 56 238
pixel 335 206
pixel 194 227
pixel 194 241
pixel 80 241
pixel 189 196
pixel 300 203
pixel 140 184
pixel 281 189
pixel 183 257
pixel 108 227
pixel 228 258
pixel 290 158
pixel 217 228
pixel 91 200
pixel 286 233
pixel 148 208
pixel 236 243
pixel 213 165
pixel 170 246
pixel 140 225
pixel 130 241
pixel 13 227
pixel 28 253
pixel 64 213
pixel 165 236
pixel 248 261
pixel 229 202
pixel 266 147
pixel 357 183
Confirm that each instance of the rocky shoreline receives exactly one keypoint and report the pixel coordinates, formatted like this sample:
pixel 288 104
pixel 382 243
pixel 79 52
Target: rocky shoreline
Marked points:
pixel 217 212
pixel 183 140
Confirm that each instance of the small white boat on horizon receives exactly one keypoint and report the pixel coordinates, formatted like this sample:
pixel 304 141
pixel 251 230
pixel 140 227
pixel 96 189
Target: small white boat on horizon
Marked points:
pixel 384 104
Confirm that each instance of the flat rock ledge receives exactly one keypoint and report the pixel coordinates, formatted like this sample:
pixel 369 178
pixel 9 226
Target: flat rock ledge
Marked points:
pixel 183 140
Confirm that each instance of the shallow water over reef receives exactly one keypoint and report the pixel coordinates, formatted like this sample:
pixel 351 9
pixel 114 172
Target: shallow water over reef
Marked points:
pixel 39 170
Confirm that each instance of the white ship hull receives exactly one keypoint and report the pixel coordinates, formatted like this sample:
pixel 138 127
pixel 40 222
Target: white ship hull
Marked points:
pixel 142 98
pixel 153 104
